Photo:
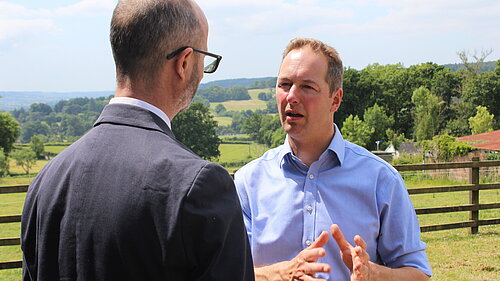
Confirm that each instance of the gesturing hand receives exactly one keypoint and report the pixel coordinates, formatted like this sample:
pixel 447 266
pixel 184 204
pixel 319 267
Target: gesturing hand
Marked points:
pixel 302 267
pixel 355 258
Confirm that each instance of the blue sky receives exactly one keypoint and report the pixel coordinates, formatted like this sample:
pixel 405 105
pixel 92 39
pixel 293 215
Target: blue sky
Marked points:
pixel 63 45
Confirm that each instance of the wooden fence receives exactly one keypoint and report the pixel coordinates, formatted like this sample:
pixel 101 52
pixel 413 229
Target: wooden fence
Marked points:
pixel 473 207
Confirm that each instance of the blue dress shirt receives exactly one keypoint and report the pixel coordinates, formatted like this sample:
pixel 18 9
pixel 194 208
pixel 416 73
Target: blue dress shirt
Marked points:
pixel 286 205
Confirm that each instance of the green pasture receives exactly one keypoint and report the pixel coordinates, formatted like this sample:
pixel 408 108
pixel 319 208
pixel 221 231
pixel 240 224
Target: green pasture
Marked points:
pixel 223 120
pixel 240 105
pixel 254 93
pixel 55 149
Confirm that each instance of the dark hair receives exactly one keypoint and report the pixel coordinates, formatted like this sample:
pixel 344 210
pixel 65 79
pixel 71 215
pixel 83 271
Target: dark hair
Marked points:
pixel 335 72
pixel 143 32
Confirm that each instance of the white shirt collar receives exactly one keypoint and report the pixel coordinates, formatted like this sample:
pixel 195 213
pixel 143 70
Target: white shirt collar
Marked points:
pixel 144 105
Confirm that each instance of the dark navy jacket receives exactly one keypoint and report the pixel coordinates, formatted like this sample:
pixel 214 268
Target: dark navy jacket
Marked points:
pixel 129 202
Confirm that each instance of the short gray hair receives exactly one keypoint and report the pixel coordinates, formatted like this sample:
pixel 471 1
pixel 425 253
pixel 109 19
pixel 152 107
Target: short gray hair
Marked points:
pixel 144 32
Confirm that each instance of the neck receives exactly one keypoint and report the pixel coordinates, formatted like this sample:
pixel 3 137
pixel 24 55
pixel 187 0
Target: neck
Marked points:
pixel 309 150
pixel 159 96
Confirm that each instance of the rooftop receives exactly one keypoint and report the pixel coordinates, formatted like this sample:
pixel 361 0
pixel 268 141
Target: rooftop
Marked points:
pixel 487 141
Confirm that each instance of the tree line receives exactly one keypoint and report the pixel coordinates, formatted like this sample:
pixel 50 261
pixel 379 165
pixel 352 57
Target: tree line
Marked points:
pixel 382 105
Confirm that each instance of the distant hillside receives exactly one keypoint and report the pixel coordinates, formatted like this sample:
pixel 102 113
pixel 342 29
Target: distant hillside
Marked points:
pixel 486 67
pixel 245 82
pixel 16 100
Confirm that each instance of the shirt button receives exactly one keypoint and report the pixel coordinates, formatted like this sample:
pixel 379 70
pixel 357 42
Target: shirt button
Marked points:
pixel 311 176
pixel 309 208
pixel 308 243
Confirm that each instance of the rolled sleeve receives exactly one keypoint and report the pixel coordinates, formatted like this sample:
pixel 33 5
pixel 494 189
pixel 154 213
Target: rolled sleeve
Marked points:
pixel 399 239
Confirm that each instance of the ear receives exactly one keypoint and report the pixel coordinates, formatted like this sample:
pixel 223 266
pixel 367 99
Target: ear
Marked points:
pixel 337 99
pixel 182 63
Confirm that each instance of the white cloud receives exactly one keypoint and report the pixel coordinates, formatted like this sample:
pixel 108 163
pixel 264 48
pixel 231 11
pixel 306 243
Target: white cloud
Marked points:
pixel 270 16
pixel 87 7
pixel 17 21
pixel 12 28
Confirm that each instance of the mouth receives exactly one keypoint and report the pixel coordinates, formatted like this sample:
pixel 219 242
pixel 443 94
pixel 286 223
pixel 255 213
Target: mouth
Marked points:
pixel 293 114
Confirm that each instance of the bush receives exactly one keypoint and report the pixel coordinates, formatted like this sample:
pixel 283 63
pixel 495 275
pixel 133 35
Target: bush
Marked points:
pixel 493 156
pixel 406 158
pixel 445 147
pixel 4 164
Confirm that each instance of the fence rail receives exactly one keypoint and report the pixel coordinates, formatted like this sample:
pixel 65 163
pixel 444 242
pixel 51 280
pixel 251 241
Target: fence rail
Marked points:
pixel 473 207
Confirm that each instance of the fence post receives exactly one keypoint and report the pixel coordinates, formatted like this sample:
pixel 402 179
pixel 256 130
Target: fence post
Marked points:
pixel 474 194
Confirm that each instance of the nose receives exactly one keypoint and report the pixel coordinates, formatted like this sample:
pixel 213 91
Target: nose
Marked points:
pixel 292 95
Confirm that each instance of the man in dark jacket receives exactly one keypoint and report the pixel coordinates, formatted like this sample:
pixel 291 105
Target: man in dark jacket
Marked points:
pixel 128 201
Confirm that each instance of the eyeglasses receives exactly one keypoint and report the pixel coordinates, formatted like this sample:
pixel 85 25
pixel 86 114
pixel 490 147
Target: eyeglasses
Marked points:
pixel 211 60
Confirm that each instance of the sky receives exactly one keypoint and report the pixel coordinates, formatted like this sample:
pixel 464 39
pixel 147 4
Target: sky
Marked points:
pixel 63 46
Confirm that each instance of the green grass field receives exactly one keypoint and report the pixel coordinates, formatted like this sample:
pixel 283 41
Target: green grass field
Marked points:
pixel 223 121
pixel 241 105
pixel 252 104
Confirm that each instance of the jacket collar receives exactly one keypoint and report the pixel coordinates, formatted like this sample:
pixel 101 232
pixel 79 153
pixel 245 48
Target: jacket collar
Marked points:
pixel 135 116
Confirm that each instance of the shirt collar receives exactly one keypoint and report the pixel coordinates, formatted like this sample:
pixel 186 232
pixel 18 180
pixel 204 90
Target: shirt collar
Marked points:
pixel 337 146
pixel 144 105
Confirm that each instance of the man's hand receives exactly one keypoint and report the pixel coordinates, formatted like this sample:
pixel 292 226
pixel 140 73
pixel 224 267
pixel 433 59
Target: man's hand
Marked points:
pixel 355 258
pixel 303 267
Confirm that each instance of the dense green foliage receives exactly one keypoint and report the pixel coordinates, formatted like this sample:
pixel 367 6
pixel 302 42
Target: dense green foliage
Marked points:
pixel 4 164
pixel 216 93
pixel 38 146
pixel 9 131
pixel 195 128
pixel 482 122
pixel 357 131
pixel 265 129
pixel 66 121
pixel 263 84
pixel 445 147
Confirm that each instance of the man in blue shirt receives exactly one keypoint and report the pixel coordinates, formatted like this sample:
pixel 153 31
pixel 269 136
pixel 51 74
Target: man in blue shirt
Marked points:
pixel 317 181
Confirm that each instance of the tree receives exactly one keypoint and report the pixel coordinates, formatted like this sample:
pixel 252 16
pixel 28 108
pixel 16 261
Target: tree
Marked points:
pixel 26 158
pixel 4 164
pixel 196 129
pixel 376 118
pixel 42 108
pixel 395 139
pixel 271 106
pixel 252 125
pixel 472 66
pixel 356 131
pixel 220 109
pixel 38 146
pixel 32 128
pixel 445 147
pixel 427 113
pixel 9 131
pixel 482 122
pixel 72 125
pixel 483 89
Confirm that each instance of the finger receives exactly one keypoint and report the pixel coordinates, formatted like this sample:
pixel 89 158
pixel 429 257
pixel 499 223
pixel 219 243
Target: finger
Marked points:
pixel 362 254
pixel 320 241
pixel 310 278
pixel 339 238
pixel 312 255
pixel 360 271
pixel 360 242
pixel 313 268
